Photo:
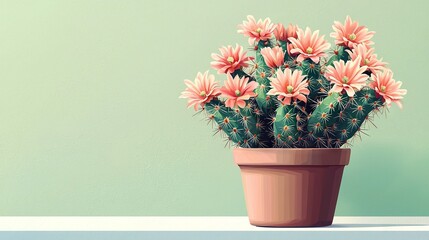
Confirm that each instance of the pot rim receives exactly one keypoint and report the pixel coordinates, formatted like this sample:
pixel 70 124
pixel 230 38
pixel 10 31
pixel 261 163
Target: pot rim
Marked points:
pixel 291 156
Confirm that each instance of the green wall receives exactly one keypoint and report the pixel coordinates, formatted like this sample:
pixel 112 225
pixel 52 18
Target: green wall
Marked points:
pixel 91 123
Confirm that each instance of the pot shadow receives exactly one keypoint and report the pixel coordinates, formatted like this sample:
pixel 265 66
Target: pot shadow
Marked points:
pixel 356 225
pixel 374 225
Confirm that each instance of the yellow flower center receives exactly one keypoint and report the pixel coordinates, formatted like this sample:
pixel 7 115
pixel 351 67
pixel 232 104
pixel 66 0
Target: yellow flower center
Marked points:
pixel 345 79
pixel 230 59
pixel 259 30
pixel 309 50
pixel 352 36
pixel 203 93
pixel 383 88
pixel 366 61
pixel 237 93
pixel 289 89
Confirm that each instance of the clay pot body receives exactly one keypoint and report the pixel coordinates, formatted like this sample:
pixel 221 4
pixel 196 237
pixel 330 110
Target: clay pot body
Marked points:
pixel 291 187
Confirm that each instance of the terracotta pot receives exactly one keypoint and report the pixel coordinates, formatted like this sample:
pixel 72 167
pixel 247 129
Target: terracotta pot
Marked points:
pixel 291 187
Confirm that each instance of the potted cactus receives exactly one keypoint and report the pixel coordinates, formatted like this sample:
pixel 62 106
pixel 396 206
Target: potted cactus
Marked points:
pixel 291 110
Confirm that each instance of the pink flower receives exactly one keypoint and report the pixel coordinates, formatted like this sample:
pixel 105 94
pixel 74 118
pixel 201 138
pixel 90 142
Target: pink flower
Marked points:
pixel 387 87
pixel 349 77
pixel 282 34
pixel 202 91
pixel 289 86
pixel 367 57
pixel 236 90
pixel 309 45
pixel 256 31
pixel 351 34
pixel 273 57
pixel 230 59
pixel 291 31
pixel 289 48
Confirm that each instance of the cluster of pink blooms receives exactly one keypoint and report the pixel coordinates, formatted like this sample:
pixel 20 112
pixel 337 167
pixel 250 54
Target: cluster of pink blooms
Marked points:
pixel 363 69
pixel 236 90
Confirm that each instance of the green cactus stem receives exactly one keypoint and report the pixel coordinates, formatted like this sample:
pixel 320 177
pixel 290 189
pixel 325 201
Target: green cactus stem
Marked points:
pixel 242 126
pixel 285 126
pixel 317 83
pixel 262 72
pixel 356 112
pixel 326 114
pixel 339 117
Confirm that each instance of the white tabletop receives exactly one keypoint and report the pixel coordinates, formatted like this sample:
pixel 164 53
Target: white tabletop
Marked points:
pixel 215 228
pixel 201 224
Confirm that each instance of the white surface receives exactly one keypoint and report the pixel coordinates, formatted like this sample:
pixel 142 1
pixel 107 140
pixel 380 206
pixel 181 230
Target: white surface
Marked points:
pixel 224 224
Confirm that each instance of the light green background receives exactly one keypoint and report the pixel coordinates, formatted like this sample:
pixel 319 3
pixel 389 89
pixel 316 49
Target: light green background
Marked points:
pixel 91 123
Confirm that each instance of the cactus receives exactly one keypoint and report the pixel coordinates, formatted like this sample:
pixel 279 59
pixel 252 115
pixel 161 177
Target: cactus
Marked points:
pixel 355 112
pixel 291 93
pixel 326 114
pixel 262 72
pixel 339 117
pixel 241 126
pixel 285 126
